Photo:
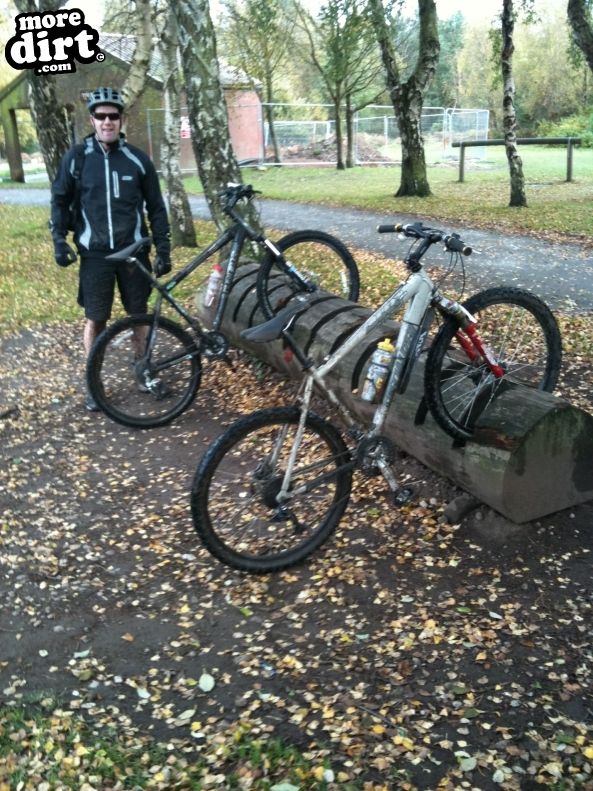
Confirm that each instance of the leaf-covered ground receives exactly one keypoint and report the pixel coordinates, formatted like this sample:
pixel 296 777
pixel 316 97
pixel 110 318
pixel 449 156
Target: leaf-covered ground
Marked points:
pixel 407 654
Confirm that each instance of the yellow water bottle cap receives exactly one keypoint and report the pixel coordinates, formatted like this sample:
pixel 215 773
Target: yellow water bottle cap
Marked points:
pixel 386 345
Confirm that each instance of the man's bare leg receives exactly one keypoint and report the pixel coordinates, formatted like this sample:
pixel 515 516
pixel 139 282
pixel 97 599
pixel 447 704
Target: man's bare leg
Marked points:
pixel 139 336
pixel 91 330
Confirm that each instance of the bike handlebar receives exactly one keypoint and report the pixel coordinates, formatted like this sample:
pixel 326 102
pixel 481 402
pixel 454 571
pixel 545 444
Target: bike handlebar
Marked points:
pixel 234 192
pixel 391 228
pixel 416 230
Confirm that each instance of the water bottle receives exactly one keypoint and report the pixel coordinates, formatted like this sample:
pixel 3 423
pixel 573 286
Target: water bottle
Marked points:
pixel 214 285
pixel 378 371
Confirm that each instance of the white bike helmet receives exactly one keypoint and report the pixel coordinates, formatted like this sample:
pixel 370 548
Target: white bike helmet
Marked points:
pixel 105 96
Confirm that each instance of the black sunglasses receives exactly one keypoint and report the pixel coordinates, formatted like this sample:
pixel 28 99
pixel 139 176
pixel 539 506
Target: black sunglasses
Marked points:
pixel 103 116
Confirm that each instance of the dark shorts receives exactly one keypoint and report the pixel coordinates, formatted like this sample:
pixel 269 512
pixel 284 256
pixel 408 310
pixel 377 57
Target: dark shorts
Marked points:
pixel 96 287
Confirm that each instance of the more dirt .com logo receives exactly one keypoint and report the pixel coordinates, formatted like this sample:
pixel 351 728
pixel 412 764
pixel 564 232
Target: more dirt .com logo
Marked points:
pixel 50 42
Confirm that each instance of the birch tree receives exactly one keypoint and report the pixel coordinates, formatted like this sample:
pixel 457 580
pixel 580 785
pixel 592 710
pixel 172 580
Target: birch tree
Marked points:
pixel 407 96
pixel 142 29
pixel 49 116
pixel 509 118
pixel 208 119
pixel 579 17
pixel 183 231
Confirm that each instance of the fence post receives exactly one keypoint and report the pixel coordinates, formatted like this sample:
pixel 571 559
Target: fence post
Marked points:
pixel 461 162
pixel 569 159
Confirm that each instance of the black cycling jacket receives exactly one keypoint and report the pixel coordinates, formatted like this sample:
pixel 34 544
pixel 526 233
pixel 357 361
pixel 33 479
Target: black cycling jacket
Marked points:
pixel 115 186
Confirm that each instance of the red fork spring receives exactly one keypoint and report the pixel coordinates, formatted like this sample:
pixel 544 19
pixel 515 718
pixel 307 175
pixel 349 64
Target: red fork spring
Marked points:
pixel 474 347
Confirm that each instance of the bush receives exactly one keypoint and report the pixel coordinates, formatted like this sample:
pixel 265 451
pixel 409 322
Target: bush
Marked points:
pixel 572 126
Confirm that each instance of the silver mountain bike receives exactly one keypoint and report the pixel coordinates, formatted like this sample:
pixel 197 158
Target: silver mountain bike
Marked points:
pixel 272 488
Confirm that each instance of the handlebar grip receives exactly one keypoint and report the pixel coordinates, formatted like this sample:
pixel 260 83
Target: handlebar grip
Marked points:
pixel 391 228
pixel 457 245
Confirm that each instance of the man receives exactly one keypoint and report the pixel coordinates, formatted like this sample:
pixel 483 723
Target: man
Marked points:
pixel 102 189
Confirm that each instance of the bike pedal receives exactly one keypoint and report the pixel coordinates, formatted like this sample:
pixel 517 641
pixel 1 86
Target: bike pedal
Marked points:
pixel 403 495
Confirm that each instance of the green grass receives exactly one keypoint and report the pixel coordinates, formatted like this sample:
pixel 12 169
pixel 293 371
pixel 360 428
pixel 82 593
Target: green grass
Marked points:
pixel 12 185
pixel 555 207
pixel 45 742
pixel 34 289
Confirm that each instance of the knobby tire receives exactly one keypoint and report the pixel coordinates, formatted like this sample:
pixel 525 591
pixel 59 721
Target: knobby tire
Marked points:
pixel 523 335
pixel 233 503
pixel 319 255
pixel 114 383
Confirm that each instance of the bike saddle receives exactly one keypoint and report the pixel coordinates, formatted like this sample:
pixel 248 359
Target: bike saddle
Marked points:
pixel 272 330
pixel 130 250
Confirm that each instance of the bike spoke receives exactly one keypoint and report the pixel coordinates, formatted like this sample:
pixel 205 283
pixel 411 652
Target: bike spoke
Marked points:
pixel 144 376
pixel 248 514
pixel 518 333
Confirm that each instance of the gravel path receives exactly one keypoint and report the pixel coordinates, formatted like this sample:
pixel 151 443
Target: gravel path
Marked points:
pixel 559 272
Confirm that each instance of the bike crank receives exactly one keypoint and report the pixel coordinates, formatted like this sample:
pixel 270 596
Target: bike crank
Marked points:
pixel 215 345
pixel 373 454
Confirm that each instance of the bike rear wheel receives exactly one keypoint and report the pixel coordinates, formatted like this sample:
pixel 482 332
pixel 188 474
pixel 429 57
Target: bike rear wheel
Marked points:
pixel 323 259
pixel 234 506
pixel 141 388
pixel 519 331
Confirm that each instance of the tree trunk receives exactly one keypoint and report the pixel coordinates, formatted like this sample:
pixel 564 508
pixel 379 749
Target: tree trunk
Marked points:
pixel 208 118
pixel 270 118
pixel 273 140
pixel 133 86
pixel 414 180
pixel 407 98
pixel 51 122
pixel 349 133
pixel 508 108
pixel 580 22
pixel 183 232
pixel 50 118
pixel 339 134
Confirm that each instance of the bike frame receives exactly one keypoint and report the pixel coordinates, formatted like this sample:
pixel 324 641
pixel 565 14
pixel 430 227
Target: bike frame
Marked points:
pixel 421 297
pixel 237 234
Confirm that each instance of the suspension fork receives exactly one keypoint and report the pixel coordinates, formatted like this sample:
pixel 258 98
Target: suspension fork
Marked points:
pixel 472 345
pixel 475 347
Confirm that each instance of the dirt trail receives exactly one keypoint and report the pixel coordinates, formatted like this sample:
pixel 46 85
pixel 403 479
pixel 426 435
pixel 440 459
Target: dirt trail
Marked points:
pixel 403 645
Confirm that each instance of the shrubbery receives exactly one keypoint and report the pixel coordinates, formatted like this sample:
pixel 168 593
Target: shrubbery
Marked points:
pixel 572 126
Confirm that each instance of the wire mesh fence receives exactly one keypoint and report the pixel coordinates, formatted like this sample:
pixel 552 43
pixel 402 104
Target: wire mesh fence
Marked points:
pixel 305 134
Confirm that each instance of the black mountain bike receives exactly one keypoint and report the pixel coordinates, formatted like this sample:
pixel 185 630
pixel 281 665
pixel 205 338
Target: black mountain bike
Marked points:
pixel 144 371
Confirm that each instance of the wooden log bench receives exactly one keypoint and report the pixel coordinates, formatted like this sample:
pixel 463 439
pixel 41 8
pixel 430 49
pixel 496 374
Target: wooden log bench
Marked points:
pixel 532 453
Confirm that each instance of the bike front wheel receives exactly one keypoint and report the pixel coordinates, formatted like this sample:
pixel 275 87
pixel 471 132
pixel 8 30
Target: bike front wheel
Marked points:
pixel 520 333
pixel 144 372
pixel 323 260
pixel 235 496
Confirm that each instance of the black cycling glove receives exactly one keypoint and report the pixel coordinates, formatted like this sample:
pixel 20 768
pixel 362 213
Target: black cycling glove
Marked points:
pixel 162 265
pixel 63 253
